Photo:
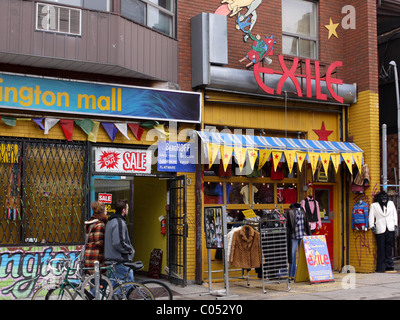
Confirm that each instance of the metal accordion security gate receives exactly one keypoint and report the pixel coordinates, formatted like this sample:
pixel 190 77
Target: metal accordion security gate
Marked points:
pixel 177 231
pixel 43 191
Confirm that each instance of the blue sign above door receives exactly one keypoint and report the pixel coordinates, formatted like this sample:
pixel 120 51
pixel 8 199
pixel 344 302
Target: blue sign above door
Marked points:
pixel 176 156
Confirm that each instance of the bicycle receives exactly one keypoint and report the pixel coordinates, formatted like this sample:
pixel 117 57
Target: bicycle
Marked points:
pixel 72 286
pixel 122 290
pixel 158 288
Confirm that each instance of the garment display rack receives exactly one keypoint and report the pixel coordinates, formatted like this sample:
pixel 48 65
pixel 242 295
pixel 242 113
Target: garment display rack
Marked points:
pixel 274 250
pixel 274 253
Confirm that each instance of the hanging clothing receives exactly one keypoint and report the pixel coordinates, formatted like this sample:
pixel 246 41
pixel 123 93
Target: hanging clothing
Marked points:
pixel 311 207
pixel 359 216
pixel 246 249
pixel 383 218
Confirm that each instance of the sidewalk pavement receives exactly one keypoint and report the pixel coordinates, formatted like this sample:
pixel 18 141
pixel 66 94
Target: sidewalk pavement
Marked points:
pixel 347 286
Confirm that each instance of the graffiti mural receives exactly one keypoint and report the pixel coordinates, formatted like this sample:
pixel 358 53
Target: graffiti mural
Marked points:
pixel 21 268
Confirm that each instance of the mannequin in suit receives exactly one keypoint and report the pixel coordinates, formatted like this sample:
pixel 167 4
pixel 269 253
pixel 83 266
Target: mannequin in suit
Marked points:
pixel 383 223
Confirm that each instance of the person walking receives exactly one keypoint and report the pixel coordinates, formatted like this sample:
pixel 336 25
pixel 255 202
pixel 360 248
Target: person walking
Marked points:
pixel 95 230
pixel 118 247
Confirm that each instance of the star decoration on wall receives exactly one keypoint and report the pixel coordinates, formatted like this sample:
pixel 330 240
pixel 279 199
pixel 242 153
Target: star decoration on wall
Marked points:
pixel 323 134
pixel 332 28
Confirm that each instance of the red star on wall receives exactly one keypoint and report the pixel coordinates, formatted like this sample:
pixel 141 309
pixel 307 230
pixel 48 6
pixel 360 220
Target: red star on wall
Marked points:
pixel 323 134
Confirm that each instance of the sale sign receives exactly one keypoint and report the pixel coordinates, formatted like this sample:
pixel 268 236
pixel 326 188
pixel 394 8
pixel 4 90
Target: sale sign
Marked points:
pixel 105 197
pixel 116 160
pixel 314 262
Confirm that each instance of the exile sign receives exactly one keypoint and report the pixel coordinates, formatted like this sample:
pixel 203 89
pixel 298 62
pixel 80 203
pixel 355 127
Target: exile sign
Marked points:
pixel 290 74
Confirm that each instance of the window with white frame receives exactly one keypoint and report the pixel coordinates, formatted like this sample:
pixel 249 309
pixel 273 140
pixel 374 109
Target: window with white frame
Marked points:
pixel 299 28
pixel 100 5
pixel 156 14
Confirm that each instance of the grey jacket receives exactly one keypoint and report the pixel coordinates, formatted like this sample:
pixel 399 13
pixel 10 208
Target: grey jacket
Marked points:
pixel 117 245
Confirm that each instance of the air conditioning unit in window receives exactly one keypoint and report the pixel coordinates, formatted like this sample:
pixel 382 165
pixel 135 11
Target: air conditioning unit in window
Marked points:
pixel 58 19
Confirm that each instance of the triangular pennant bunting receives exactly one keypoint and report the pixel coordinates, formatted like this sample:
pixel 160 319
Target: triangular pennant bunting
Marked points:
pixel 290 156
pixel 263 157
pixel 313 159
pixel 240 156
pixel 226 154
pixel 92 137
pixel 348 159
pixel 358 160
pixel 300 159
pixel 136 130
pixel 149 124
pixel 110 129
pixel 252 153
pixel 85 124
pixel 67 127
pixel 123 128
pixel 160 128
pixel 325 157
pixel 335 157
pixel 12 122
pixel 48 124
pixel 38 121
pixel 213 149
pixel 276 157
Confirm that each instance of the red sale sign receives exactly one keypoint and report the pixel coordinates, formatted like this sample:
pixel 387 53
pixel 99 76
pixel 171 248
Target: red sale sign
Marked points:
pixel 117 160
pixel 105 197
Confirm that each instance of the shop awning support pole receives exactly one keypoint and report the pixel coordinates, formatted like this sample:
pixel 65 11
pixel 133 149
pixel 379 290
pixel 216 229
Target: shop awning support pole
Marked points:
pixel 384 157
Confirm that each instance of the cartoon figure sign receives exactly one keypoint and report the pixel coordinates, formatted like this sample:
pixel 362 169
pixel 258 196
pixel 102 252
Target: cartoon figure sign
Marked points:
pixel 314 262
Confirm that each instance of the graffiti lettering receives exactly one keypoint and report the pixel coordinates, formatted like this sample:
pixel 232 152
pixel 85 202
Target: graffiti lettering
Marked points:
pixel 21 268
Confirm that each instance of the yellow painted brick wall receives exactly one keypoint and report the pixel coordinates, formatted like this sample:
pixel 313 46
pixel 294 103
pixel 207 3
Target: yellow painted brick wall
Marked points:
pixel 364 128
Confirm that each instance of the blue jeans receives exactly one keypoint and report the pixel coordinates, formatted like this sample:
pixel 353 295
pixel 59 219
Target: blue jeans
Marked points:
pixel 292 267
pixel 125 274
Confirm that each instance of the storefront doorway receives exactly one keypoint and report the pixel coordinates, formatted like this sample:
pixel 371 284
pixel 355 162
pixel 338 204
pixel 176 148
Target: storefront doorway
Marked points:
pixel 324 195
pixel 151 199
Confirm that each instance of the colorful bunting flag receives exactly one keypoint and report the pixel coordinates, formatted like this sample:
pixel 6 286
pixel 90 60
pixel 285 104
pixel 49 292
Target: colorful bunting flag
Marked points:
pixel 240 156
pixel 67 127
pixel 226 154
pixel 149 124
pixel 48 124
pixel 123 128
pixel 12 122
pixel 85 124
pixel 38 121
pixel 110 129
pixel 252 154
pixel 358 160
pixel 290 156
pixel 313 159
pixel 348 159
pixel 263 157
pixel 213 149
pixel 325 157
pixel 160 128
pixel 136 130
pixel 276 157
pixel 301 156
pixel 92 137
pixel 335 157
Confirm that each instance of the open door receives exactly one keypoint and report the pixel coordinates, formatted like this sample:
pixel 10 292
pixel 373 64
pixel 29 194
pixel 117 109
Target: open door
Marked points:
pixel 177 231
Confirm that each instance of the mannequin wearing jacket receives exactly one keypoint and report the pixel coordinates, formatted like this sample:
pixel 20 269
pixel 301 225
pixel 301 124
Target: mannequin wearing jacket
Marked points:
pixel 383 222
pixel 298 227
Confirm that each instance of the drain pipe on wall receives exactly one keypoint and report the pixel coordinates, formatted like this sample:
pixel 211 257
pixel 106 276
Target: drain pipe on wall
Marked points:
pixel 384 157
pixel 396 80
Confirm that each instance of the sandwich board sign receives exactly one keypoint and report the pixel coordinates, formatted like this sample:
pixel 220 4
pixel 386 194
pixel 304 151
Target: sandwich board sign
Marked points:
pixel 314 262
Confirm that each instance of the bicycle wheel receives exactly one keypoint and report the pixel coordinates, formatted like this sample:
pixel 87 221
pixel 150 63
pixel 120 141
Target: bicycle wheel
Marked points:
pixel 132 291
pixel 41 292
pixel 159 289
pixel 88 288
pixel 59 293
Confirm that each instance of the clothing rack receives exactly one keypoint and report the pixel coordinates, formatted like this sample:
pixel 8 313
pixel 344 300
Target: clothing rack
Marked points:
pixel 273 246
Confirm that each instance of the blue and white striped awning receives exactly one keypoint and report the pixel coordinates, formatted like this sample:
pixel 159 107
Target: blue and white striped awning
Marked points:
pixel 248 141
